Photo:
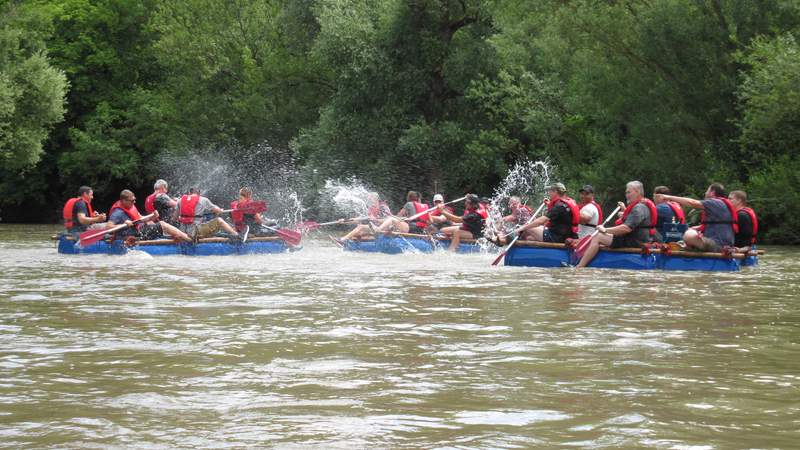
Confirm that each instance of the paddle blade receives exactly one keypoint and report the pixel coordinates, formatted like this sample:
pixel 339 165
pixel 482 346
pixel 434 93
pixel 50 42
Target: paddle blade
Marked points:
pixel 499 257
pixel 291 237
pixel 582 245
pixel 90 237
pixel 255 207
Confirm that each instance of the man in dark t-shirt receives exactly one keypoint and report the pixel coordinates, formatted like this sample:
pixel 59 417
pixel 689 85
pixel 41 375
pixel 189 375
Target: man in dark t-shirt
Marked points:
pixel 555 224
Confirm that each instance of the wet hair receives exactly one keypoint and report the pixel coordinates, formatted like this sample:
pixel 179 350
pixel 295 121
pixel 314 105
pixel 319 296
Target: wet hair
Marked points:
pixel 84 190
pixel 194 190
pixel 740 195
pixel 126 195
pixel 413 196
pixel 159 184
pixel 718 189
pixel 246 192
pixel 473 199
pixel 636 185
pixel 662 190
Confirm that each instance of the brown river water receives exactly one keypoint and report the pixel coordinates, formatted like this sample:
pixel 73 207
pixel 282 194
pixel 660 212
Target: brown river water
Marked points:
pixel 326 349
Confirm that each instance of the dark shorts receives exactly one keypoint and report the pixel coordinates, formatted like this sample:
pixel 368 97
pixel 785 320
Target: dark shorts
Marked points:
pixel 151 231
pixel 413 228
pixel 625 241
pixel 549 236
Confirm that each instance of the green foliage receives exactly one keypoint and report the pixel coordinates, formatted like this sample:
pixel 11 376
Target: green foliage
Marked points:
pixel 31 90
pixel 774 194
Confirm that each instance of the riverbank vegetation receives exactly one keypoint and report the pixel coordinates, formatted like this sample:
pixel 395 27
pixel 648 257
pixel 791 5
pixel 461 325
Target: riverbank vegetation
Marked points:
pixel 423 94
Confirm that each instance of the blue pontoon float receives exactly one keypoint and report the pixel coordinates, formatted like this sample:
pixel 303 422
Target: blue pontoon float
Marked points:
pixel 407 243
pixel 205 247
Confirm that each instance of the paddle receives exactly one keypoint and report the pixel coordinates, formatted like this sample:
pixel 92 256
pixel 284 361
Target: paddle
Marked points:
pixel 511 244
pixel 90 237
pixel 249 208
pixel 291 237
pixel 583 243
pixel 310 225
pixel 407 219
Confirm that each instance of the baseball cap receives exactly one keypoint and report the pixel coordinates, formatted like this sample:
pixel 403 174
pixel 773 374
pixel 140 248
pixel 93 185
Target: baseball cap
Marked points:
pixel 438 198
pixel 587 188
pixel 558 187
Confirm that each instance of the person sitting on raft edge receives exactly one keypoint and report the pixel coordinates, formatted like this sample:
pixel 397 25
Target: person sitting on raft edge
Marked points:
pixel 472 222
pixel 718 219
pixel 191 211
pixel 412 207
pixel 254 221
pixel 124 211
pixel 78 214
pixel 557 224
pixel 635 228
pixel 377 212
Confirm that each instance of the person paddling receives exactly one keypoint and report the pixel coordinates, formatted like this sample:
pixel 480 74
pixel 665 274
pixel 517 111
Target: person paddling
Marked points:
pixel 412 207
pixel 591 212
pixel 718 219
pixel 160 201
pixel 254 221
pixel 557 224
pixel 124 211
pixel 635 228
pixel 192 210
pixel 78 214
pixel 437 219
pixel 745 239
pixel 377 212
pixel 471 222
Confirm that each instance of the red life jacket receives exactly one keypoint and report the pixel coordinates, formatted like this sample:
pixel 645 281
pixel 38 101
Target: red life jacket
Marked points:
pixel 653 214
pixel 479 211
pixel 600 215
pixel 753 219
pixel 132 212
pixel 150 203
pixel 436 212
pixel 573 207
pixel 422 221
pixel 238 216
pixel 69 208
pixel 734 220
pixel 187 205
pixel 678 211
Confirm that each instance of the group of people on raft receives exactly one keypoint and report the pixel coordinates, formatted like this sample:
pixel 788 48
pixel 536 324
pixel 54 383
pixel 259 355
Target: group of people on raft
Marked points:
pixel 726 221
pixel 187 218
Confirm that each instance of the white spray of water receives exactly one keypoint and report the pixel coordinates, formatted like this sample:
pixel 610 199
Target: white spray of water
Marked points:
pixel 350 198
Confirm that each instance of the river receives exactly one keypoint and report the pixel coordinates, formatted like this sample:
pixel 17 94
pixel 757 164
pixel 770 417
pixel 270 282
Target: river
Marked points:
pixel 326 349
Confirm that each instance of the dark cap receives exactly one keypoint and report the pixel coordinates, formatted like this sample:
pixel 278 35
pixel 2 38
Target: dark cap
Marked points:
pixel 474 199
pixel 587 188
pixel 486 200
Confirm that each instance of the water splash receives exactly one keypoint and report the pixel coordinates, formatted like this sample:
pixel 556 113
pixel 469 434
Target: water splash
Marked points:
pixel 526 180
pixel 349 198
pixel 221 171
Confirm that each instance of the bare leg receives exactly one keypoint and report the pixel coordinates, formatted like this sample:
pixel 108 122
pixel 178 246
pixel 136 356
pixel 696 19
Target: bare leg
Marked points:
pixel 457 239
pixel 599 240
pixel 357 232
pixel 401 226
pixel 536 233
pixel 227 227
pixel 173 232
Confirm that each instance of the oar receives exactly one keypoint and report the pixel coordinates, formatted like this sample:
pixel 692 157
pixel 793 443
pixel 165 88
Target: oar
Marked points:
pixel 291 237
pixel 249 208
pixel 583 243
pixel 90 237
pixel 408 219
pixel 310 225
pixel 511 244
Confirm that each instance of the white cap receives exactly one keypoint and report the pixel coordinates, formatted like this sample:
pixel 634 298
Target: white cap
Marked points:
pixel 438 198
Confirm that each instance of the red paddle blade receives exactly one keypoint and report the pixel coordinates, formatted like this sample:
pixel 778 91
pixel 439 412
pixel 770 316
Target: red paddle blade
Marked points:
pixel 291 237
pixel 90 237
pixel 254 207
pixel 499 257
pixel 583 244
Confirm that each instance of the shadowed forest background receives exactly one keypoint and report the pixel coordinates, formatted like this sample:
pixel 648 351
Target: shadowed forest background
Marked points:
pixel 403 94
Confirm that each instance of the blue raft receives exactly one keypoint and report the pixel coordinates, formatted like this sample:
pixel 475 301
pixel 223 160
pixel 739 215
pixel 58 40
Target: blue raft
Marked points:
pixel 161 247
pixel 541 254
pixel 407 243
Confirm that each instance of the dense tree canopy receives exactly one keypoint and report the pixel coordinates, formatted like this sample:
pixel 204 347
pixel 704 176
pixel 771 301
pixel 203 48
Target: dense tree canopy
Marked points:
pixel 423 94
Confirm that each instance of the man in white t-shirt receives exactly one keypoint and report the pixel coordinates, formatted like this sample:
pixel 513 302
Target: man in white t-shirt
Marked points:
pixel 591 213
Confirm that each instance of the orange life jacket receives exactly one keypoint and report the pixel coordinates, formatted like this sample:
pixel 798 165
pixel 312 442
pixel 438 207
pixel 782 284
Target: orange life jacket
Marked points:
pixel 187 204
pixel 69 207
pixel 653 214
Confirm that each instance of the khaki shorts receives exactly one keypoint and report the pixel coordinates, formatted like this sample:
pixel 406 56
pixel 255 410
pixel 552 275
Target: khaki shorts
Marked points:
pixel 709 245
pixel 208 229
